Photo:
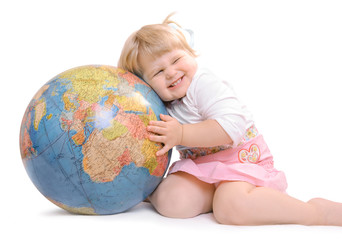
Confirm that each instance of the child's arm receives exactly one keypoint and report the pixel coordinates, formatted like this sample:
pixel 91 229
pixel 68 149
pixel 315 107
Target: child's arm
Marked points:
pixel 208 133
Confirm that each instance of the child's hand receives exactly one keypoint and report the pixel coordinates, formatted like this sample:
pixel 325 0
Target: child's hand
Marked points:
pixel 169 132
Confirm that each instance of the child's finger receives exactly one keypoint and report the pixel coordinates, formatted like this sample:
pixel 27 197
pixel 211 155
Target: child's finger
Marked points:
pixel 156 123
pixel 165 117
pixel 157 130
pixel 156 138
pixel 162 151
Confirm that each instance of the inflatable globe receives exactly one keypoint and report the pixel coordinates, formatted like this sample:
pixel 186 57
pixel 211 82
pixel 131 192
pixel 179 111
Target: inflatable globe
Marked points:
pixel 84 144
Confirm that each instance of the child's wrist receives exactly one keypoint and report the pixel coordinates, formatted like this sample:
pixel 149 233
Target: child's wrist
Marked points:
pixel 182 130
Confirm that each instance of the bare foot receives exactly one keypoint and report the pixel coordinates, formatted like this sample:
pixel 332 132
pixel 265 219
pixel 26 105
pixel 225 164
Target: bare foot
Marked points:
pixel 330 213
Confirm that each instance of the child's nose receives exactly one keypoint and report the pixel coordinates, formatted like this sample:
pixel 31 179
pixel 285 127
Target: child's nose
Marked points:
pixel 170 72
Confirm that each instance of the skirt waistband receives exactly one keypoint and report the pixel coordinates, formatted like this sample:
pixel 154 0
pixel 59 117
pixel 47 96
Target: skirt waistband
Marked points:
pixel 194 153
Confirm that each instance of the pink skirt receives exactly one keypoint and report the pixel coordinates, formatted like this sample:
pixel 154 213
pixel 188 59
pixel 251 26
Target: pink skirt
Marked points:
pixel 251 162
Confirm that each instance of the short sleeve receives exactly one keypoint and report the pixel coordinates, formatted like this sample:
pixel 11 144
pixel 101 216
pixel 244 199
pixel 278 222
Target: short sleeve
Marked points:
pixel 217 100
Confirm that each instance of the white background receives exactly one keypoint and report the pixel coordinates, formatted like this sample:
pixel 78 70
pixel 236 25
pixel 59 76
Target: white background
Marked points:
pixel 284 59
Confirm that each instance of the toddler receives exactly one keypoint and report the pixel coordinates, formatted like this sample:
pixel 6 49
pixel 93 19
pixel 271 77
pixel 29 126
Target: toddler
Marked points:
pixel 225 166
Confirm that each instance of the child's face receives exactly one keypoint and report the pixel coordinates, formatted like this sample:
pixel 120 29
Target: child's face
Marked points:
pixel 169 75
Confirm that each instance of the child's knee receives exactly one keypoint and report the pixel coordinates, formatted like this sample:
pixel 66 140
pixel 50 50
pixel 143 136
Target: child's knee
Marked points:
pixel 231 208
pixel 230 212
pixel 172 202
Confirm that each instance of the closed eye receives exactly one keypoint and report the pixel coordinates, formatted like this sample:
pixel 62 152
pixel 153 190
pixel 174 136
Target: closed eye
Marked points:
pixel 176 60
pixel 157 73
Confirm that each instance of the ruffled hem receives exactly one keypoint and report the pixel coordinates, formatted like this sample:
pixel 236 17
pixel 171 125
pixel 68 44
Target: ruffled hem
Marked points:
pixel 216 172
pixel 230 165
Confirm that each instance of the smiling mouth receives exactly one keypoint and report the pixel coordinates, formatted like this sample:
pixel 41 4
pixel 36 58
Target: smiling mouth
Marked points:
pixel 176 82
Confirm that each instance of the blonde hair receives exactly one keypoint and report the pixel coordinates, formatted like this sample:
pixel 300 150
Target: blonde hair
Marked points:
pixel 152 40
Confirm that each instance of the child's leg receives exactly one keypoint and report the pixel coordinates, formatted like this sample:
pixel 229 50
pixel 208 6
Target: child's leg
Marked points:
pixel 181 195
pixel 242 203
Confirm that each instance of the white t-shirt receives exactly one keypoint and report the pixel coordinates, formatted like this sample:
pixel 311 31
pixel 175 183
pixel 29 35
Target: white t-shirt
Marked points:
pixel 209 97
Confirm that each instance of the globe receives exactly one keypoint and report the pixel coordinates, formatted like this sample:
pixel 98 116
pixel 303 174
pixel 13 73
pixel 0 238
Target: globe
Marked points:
pixel 84 143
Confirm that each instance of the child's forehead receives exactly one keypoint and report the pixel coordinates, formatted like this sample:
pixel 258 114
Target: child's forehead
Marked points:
pixel 148 56
pixel 153 57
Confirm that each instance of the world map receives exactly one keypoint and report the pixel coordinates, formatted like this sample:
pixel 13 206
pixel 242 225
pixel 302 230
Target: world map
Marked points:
pixel 84 141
